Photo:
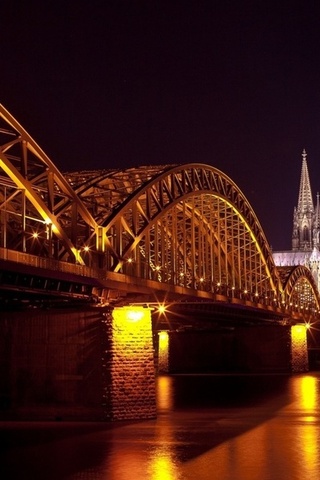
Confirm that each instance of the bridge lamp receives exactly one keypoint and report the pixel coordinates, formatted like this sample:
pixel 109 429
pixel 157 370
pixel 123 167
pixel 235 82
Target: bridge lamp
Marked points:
pixel 201 279
pixel 86 248
pixel 158 268
pixel 35 235
pixel 161 309
pixel 129 260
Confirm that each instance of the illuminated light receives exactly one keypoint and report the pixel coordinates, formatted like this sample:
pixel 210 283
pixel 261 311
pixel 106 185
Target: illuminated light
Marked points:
pixel 86 248
pixel 134 315
pixel 256 294
pixel 161 309
pixel 165 397
pixel 130 260
pixel 181 274
pixel 163 465
pixel 201 279
pixel 218 284
pixel 132 360
pixel 163 354
pixel 158 268
pixel 47 221
pixel 309 393
pixel 299 350
pixel 35 235
pixel 308 325
pixel 245 291
pixel 233 288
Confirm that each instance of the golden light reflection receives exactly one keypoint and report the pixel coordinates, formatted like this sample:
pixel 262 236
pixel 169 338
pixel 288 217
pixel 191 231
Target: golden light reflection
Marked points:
pixel 307 437
pixel 164 393
pixel 163 466
pixel 309 393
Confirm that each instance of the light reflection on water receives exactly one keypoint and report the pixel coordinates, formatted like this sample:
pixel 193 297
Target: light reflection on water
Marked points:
pixel 208 428
pixel 286 446
pixel 263 443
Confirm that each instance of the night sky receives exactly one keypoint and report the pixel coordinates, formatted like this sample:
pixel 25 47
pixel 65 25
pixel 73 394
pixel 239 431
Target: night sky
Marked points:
pixel 233 84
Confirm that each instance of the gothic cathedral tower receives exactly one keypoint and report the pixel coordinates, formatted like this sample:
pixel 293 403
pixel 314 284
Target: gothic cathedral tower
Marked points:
pixel 306 217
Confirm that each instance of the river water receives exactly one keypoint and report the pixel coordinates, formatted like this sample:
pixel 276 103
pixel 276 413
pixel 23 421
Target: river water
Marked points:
pixel 234 427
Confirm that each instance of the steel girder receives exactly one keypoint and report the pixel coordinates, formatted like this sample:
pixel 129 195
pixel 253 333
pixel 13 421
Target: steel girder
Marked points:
pixel 40 212
pixel 187 225
pixel 300 292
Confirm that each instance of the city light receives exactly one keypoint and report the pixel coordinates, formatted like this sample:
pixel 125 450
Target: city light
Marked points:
pixel 161 309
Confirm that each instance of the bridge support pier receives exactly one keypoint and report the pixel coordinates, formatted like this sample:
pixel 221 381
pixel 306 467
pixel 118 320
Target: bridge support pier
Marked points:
pixel 299 349
pixel 163 352
pixel 129 369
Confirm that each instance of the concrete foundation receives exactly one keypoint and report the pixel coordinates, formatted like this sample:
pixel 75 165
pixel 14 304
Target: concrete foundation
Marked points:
pixel 51 365
pixel 76 365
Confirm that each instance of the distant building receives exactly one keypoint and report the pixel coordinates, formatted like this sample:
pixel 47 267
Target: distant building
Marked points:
pixel 306 229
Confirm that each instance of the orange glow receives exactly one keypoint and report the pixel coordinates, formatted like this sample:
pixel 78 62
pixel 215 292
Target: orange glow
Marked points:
pixel 163 359
pixel 309 393
pixel 163 466
pixel 35 235
pixel 299 351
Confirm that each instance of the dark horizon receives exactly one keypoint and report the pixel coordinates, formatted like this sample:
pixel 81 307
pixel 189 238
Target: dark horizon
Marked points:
pixel 127 83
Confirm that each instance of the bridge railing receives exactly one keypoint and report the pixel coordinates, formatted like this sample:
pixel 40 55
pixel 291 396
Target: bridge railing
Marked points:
pixel 50 264
pixel 247 299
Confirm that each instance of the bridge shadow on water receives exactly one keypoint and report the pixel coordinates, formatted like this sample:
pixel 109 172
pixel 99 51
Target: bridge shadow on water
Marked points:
pixel 217 407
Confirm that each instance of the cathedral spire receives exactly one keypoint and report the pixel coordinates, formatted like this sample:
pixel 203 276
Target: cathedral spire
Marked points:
pixel 317 214
pixel 305 203
pixel 304 228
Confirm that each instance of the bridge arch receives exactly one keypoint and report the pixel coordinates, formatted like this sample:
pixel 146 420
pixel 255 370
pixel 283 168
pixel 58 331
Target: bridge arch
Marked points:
pixel 300 292
pixel 185 225
pixel 190 225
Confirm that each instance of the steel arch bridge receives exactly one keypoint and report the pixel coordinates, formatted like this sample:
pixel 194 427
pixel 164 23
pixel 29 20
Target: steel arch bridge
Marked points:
pixel 181 228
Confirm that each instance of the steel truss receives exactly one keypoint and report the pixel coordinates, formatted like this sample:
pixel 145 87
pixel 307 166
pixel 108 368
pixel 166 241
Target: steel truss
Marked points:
pixel 185 225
